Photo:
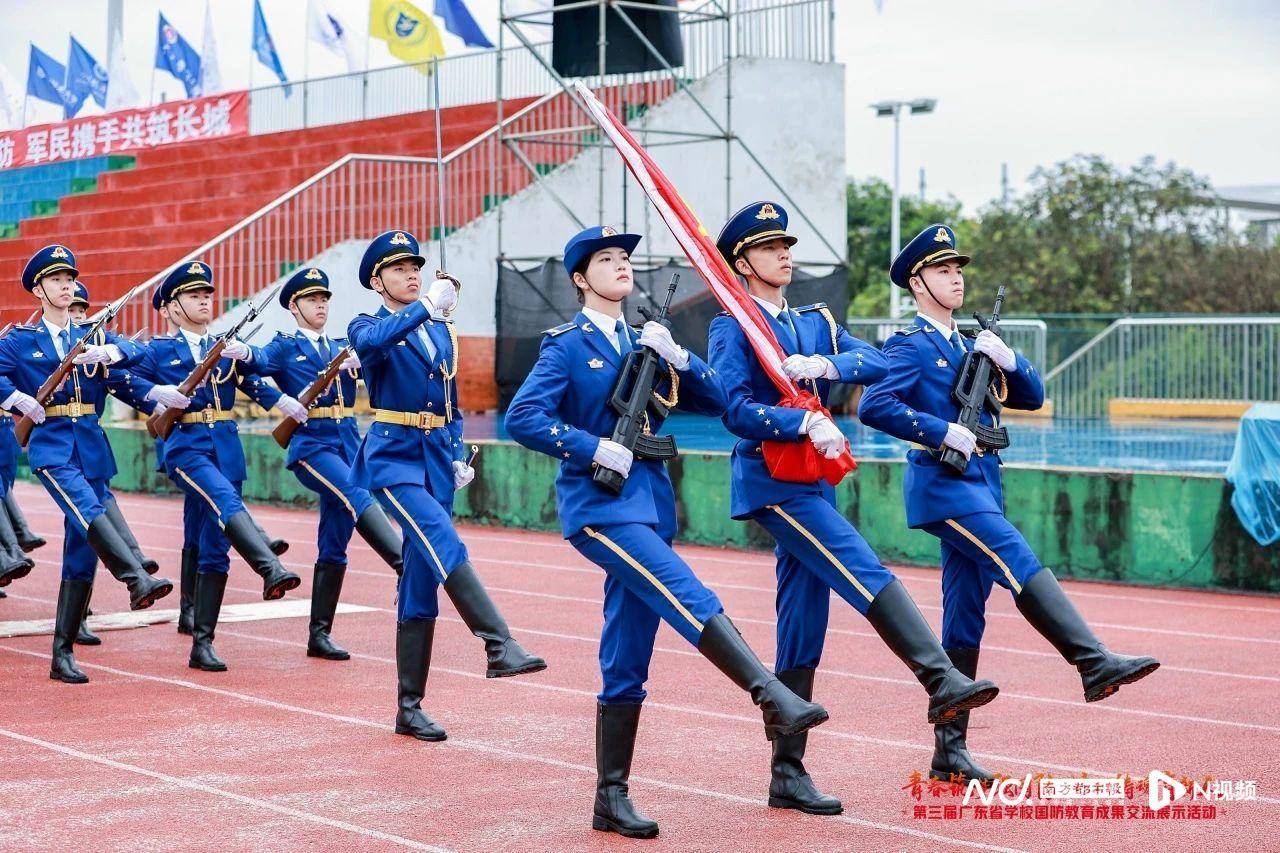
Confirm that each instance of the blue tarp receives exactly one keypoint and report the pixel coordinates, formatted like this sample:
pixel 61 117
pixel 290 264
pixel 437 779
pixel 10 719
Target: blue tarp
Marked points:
pixel 1255 472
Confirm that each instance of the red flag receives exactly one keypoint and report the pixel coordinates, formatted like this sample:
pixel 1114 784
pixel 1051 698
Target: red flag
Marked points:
pixel 791 461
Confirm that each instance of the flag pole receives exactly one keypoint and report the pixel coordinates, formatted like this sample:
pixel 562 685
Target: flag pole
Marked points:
pixel 439 161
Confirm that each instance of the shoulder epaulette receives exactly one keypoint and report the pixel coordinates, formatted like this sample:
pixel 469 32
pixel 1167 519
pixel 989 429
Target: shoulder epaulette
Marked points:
pixel 559 330
pixel 23 327
pixel 817 306
pixel 909 330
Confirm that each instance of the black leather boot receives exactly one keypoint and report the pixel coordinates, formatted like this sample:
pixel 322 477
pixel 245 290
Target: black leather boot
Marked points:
pixel 73 597
pixel 373 527
pixel 506 656
pixel 785 713
pixel 951 758
pixel 14 563
pixel 149 565
pixel 85 637
pixel 413 661
pixel 904 630
pixel 144 590
pixel 325 590
pixel 615 743
pixel 187 590
pixel 27 540
pixel 210 587
pixel 790 786
pixel 1050 612
pixel 251 544
pixel 276 546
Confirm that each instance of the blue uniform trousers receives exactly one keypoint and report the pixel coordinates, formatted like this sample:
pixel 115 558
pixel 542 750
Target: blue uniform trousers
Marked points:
pixel 431 547
pixel 216 499
pixel 328 474
pixel 978 549
pixel 80 500
pixel 819 550
pixel 645 580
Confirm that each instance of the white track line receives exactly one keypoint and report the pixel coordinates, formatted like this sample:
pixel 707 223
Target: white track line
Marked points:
pixel 477 746
pixel 190 785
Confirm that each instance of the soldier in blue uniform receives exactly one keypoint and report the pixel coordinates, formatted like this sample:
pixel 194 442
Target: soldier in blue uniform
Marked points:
pixel 68 450
pixel 324 447
pixel 966 512
pixel 121 385
pixel 14 562
pixel 202 455
pixel 818 549
pixel 412 461
pixel 562 410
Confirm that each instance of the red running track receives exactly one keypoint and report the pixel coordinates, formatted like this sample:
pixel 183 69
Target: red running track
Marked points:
pixel 287 752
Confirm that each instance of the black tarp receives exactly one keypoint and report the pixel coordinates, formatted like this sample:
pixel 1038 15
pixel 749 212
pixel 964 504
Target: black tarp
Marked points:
pixel 575 37
pixel 532 300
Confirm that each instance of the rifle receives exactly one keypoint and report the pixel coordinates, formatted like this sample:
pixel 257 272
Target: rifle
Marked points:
pixel 283 433
pixel 161 425
pixel 22 429
pixel 973 392
pixel 632 399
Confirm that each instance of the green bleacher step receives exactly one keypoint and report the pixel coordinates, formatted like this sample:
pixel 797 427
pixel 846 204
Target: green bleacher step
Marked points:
pixel 83 185
pixel 116 162
pixel 448 229
pixel 44 207
pixel 8 229
pixel 491 201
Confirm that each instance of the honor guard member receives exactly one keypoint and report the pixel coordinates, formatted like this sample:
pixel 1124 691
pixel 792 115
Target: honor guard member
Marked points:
pixel 562 409
pixel 324 447
pixel 966 512
pixel 818 549
pixel 14 562
pixel 411 460
pixel 68 450
pixel 121 385
pixel 202 455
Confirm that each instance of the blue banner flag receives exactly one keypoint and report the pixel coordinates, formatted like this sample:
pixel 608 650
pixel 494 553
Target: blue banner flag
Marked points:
pixel 85 76
pixel 457 20
pixel 175 55
pixel 265 48
pixel 47 80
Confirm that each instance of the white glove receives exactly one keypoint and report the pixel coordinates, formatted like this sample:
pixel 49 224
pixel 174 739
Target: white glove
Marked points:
pixel 658 338
pixel 237 351
pixel 462 474
pixel 609 454
pixel 351 362
pixel 441 295
pixel 799 367
pixel 168 397
pixel 989 343
pixel 961 439
pixel 27 404
pixel 826 436
pixel 291 408
pixel 107 354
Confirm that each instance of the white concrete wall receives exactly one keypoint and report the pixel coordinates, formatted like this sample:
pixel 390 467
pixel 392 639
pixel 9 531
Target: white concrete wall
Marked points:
pixel 789 112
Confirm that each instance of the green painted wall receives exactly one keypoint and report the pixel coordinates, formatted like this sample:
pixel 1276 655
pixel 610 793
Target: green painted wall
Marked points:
pixel 1141 527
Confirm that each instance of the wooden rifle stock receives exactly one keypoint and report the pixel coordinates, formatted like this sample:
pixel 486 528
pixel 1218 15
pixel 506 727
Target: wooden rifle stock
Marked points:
pixel 283 433
pixel 162 424
pixel 22 429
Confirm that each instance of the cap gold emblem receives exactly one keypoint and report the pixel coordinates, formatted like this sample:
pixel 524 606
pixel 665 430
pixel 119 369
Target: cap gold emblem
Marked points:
pixel 767 212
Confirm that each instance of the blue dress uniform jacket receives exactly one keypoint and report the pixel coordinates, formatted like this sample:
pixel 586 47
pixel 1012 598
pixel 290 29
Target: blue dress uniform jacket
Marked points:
pixel 914 403
pixel 753 414
pixel 27 358
pixel 401 376
pixel 292 362
pixel 562 410
pixel 167 360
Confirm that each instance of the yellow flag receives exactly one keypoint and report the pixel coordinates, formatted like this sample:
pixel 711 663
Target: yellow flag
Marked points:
pixel 409 32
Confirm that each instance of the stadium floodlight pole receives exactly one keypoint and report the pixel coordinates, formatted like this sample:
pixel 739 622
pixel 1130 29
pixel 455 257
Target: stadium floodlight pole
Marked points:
pixel 884 109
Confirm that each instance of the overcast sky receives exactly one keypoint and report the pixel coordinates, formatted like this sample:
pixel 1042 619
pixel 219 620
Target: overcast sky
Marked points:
pixel 1017 81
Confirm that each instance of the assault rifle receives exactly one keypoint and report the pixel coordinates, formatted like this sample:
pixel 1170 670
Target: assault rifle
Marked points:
pixel 973 392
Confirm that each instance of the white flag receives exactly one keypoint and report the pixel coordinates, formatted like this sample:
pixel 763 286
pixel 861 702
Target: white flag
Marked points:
pixel 10 101
pixel 121 94
pixel 329 30
pixel 210 79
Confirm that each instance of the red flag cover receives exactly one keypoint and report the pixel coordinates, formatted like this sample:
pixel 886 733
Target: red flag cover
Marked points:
pixel 797 462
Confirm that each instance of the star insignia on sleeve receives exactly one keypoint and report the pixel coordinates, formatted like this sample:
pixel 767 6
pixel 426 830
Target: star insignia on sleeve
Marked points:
pixel 915 423
pixel 910 413
pixel 555 430
pixel 768 422
pixel 921 434
pixel 760 412
pixel 566 454
pixel 777 432
pixel 559 444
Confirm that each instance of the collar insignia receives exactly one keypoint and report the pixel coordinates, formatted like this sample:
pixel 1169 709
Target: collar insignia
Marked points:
pixel 942 362
pixel 595 363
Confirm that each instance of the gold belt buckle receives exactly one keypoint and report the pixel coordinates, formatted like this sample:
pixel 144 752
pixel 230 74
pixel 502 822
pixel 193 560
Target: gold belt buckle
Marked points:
pixel 208 417
pixel 424 421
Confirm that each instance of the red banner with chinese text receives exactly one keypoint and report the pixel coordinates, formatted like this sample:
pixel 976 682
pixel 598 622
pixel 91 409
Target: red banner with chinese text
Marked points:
pixel 127 131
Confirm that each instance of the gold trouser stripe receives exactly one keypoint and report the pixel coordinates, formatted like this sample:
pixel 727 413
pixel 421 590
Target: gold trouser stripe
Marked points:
pixel 66 498
pixel 330 486
pixel 1017 587
pixel 444 576
pixel 648 575
pixel 823 548
pixel 217 512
